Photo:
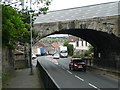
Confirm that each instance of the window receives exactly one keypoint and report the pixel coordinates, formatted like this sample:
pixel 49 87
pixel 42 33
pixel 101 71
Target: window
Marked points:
pixel 85 43
pixel 82 43
pixel 77 43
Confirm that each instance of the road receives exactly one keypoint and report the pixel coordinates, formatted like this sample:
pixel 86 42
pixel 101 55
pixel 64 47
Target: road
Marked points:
pixel 59 72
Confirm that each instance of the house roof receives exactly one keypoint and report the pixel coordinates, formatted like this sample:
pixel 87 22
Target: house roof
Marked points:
pixel 55 45
pixel 73 38
pixel 39 44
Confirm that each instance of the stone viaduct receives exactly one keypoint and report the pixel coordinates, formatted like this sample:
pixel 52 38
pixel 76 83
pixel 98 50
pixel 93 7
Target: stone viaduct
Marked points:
pixel 97 24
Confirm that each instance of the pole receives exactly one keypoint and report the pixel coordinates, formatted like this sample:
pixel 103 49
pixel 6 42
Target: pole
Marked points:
pixel 31 68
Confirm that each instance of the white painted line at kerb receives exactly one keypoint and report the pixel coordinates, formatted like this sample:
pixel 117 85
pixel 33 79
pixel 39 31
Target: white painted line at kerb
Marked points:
pixel 69 72
pixel 79 78
pixel 93 86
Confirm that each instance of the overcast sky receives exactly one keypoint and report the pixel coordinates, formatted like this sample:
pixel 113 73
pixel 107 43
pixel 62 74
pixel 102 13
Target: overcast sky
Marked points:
pixel 64 4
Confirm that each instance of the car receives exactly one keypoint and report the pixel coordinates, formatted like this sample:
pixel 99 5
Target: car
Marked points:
pixel 77 64
pixel 33 56
pixel 56 56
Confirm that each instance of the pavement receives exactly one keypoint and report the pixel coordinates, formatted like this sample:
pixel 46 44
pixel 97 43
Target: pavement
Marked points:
pixel 0 75
pixel 23 79
pixel 109 73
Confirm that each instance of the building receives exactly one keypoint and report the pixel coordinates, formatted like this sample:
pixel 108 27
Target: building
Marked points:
pixel 79 44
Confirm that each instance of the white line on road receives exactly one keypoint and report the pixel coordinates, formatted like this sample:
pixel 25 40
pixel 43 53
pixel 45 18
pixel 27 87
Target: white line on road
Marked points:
pixel 63 68
pixel 93 86
pixel 69 72
pixel 79 78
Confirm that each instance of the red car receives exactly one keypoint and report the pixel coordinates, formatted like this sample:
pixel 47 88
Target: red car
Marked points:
pixel 77 64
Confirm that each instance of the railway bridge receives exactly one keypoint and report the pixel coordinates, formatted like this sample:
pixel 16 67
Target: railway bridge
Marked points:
pixel 97 24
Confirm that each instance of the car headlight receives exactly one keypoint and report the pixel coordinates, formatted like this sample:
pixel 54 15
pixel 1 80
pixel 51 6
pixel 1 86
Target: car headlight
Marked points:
pixel 75 64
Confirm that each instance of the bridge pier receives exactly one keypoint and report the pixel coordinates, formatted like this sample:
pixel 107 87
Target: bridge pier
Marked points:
pixel 107 59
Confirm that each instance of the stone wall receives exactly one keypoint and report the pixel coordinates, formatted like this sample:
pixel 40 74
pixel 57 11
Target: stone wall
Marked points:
pixel 7 59
pixel 7 63
pixel 20 61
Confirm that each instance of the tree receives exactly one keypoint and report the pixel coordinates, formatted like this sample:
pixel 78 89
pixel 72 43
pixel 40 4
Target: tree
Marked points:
pixel 13 28
pixel 89 52
pixel 16 22
pixel 69 47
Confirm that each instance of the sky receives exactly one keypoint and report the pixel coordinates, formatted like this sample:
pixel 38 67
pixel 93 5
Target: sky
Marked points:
pixel 65 4
pixel 58 35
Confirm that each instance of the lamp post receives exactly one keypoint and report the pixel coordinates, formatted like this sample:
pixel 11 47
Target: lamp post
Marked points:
pixel 30 45
pixel 31 68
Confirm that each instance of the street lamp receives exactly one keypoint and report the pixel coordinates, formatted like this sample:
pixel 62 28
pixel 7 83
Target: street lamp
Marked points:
pixel 31 68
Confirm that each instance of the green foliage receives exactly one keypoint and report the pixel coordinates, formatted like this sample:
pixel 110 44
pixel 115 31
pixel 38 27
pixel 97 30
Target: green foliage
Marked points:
pixel 91 48
pixel 45 8
pixel 25 17
pixel 86 53
pixel 65 44
pixel 13 28
pixel 16 25
pixel 78 56
pixel 70 48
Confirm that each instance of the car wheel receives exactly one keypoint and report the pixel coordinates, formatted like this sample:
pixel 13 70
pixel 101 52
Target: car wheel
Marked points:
pixel 69 68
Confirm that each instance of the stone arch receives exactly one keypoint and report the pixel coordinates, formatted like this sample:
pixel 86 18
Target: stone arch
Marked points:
pixel 103 24
pixel 102 33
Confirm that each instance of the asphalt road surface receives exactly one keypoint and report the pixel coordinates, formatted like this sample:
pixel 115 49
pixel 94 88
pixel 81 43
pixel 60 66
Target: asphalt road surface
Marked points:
pixel 59 71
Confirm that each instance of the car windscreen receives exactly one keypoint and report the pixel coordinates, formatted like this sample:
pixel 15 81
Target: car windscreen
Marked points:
pixel 63 51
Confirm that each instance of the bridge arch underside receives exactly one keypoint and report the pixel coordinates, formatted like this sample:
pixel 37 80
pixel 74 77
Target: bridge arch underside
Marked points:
pixel 106 46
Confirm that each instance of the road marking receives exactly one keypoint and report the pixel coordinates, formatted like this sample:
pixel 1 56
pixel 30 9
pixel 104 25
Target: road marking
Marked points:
pixel 79 78
pixel 93 86
pixel 54 61
pixel 63 68
pixel 69 72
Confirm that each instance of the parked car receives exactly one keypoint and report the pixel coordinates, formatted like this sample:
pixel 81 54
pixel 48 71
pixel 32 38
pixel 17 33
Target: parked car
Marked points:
pixel 56 56
pixel 77 64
